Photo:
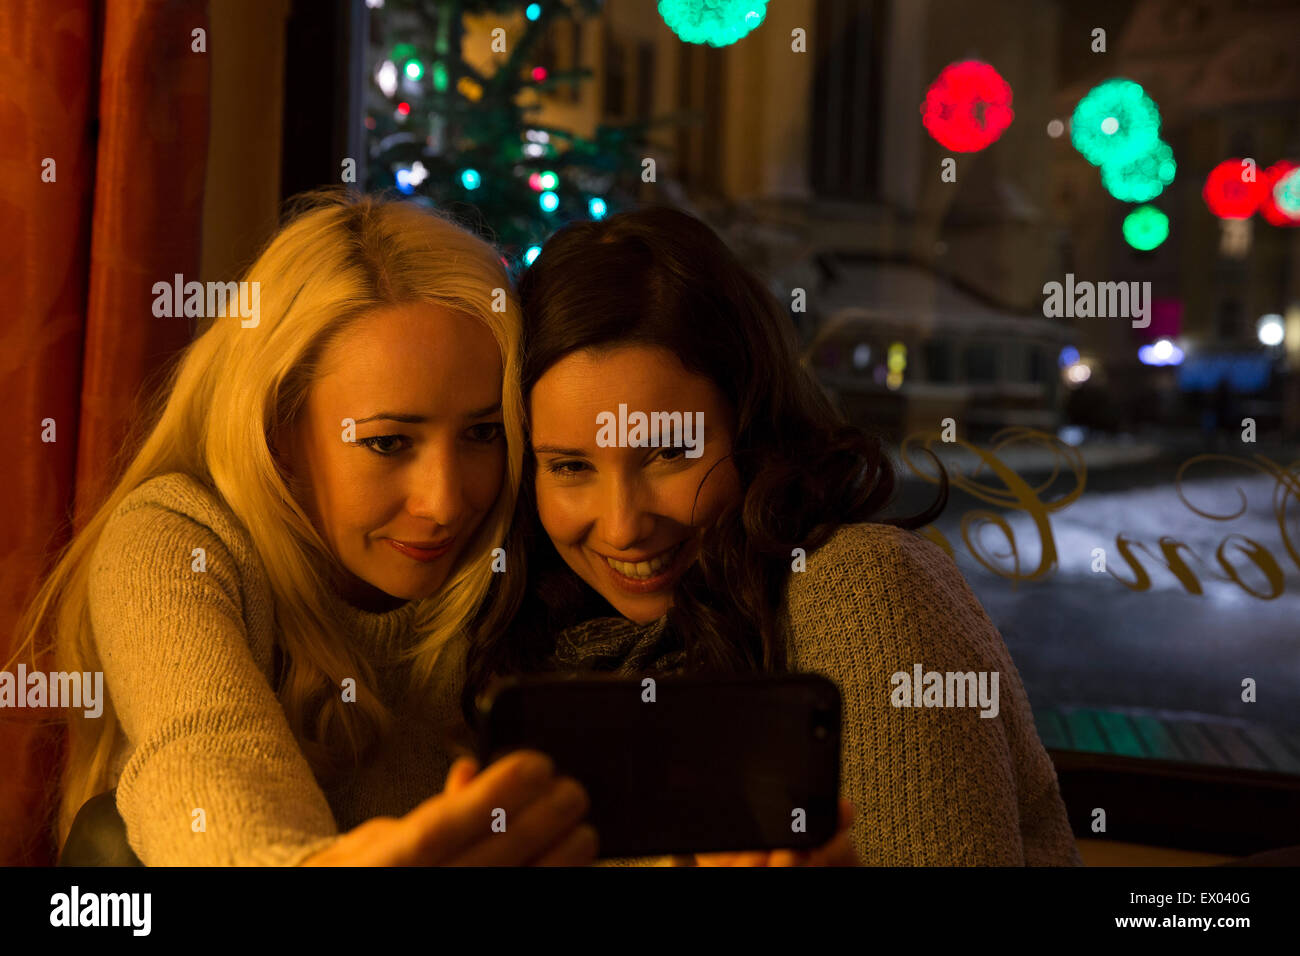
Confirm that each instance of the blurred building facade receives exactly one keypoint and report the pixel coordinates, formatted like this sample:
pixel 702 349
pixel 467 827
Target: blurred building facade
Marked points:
pixel 817 168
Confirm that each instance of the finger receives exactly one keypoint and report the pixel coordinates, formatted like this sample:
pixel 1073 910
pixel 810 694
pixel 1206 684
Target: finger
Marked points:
pixel 787 858
pixel 839 852
pixel 450 824
pixel 461 773
pixel 532 831
pixel 579 848
pixel 847 813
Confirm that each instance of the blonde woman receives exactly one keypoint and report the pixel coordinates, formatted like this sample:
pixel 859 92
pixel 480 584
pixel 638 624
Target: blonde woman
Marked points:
pixel 277 588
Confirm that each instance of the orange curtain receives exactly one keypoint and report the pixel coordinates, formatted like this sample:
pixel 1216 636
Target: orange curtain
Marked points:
pixel 104 126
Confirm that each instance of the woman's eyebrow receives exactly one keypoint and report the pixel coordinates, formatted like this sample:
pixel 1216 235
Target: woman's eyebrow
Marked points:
pixel 413 419
pixel 555 450
pixel 393 417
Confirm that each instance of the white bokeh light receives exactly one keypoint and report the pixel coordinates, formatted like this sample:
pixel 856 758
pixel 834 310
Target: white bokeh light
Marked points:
pixel 1270 330
pixel 386 77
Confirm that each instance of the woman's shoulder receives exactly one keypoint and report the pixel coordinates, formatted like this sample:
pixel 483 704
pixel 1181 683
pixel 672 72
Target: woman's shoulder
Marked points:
pixel 178 499
pixel 889 586
pixel 869 552
pixel 177 520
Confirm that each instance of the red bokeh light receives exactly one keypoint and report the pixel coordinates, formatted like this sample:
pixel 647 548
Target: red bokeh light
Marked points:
pixel 539 73
pixel 968 107
pixel 1229 194
pixel 404 108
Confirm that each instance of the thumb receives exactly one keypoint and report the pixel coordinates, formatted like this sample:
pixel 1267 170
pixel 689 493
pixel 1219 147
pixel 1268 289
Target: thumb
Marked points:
pixel 464 770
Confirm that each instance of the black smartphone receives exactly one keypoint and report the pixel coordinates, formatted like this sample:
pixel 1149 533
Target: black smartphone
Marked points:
pixel 684 764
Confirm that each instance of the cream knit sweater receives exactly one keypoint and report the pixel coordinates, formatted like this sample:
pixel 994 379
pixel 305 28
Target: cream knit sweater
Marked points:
pixel 188 663
pixel 933 786
pixel 187 660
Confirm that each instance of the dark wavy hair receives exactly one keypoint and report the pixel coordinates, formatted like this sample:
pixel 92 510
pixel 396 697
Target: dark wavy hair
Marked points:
pixel 659 277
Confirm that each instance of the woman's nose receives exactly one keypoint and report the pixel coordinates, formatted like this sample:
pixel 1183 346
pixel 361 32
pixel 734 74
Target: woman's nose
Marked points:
pixel 437 493
pixel 625 521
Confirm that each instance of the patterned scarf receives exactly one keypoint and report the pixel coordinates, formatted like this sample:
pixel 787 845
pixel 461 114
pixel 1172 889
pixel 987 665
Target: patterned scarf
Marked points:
pixel 618 646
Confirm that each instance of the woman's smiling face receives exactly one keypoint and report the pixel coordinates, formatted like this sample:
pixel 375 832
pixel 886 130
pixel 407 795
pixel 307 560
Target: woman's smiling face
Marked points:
pixel 627 519
pixel 398 496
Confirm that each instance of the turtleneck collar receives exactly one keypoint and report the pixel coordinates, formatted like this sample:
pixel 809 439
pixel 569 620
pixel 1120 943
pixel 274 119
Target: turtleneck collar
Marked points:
pixel 383 635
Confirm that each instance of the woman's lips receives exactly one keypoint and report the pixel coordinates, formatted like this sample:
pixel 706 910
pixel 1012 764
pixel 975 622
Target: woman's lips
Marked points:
pixel 658 581
pixel 421 553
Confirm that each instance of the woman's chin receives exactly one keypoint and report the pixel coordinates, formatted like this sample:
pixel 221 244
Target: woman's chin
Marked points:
pixel 640 612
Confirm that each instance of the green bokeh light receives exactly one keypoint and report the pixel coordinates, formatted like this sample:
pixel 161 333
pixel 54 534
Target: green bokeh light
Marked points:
pixel 1143 177
pixel 715 22
pixel 1145 228
pixel 440 77
pixel 1286 194
pixel 1115 123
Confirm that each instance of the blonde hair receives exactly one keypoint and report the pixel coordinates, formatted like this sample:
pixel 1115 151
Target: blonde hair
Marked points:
pixel 234 387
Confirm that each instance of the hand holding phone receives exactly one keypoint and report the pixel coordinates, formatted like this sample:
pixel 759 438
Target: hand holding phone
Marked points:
pixel 684 765
pixel 839 852
pixel 543 813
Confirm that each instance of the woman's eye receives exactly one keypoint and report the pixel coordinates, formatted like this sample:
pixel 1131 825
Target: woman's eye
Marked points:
pixel 384 444
pixel 672 453
pixel 487 432
pixel 564 468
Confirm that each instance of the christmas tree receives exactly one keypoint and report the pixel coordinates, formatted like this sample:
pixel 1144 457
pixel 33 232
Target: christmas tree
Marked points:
pixel 445 133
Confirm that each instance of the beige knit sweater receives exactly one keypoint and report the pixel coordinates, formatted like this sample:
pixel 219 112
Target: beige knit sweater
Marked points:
pixel 187 660
pixel 933 786
pixel 188 663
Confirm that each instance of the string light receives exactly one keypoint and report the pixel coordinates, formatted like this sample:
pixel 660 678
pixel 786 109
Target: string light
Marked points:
pixel 968 106
pixel 1229 194
pixel 1286 193
pixel 1280 196
pixel 715 22
pixel 1145 228
pixel 1116 122
pixel 1143 177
